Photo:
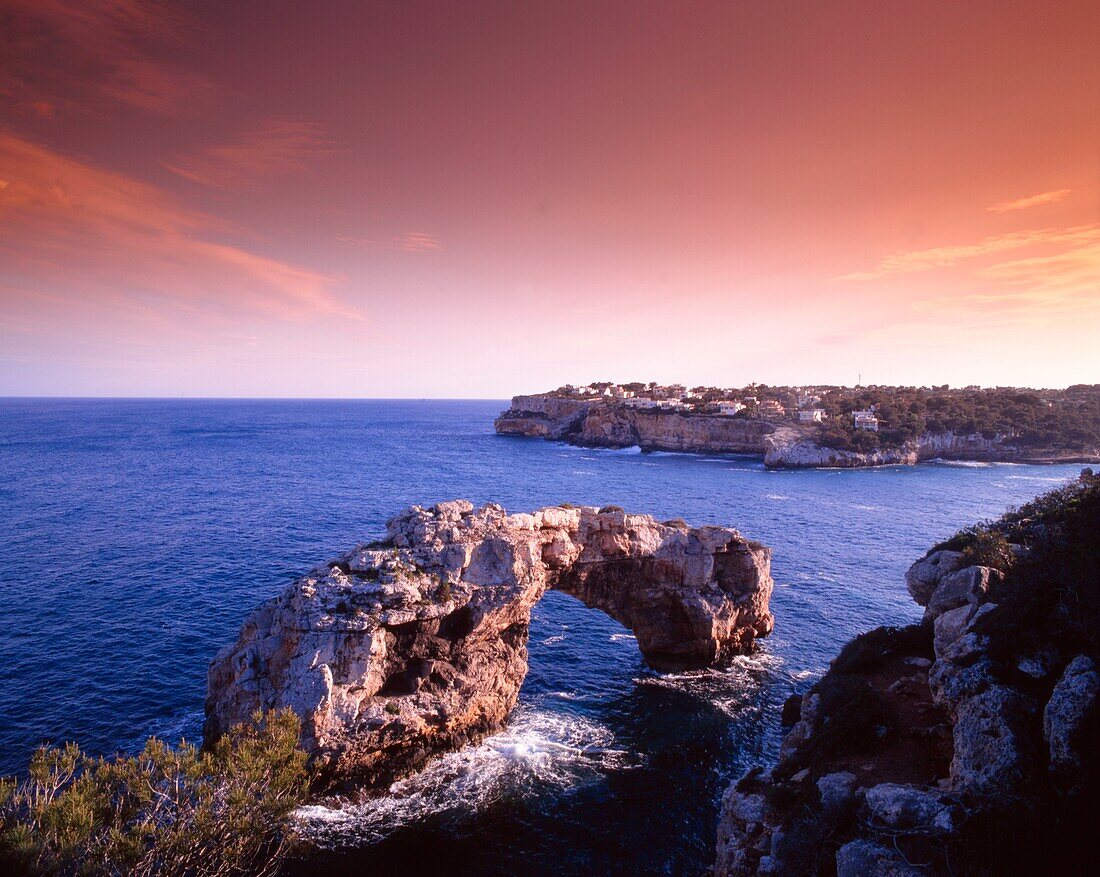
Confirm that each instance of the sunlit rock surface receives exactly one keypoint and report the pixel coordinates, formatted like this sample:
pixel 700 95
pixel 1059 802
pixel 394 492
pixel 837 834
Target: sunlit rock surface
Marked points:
pixel 417 644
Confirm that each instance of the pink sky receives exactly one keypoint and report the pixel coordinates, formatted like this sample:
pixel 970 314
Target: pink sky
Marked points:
pixel 478 199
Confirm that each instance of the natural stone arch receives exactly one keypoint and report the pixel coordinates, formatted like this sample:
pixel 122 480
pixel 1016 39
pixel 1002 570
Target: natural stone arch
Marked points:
pixel 417 644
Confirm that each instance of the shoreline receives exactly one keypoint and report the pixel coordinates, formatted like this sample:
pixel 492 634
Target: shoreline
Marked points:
pixel 1079 460
pixel 779 444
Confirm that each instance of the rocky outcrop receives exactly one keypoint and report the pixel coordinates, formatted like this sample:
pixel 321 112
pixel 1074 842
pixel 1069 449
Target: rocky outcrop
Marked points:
pixel 966 744
pixel 544 416
pixel 417 644
pixel 597 424
pixel 794 452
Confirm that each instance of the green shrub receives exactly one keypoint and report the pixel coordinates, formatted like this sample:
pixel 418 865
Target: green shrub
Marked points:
pixel 393 709
pixel 611 508
pixel 868 651
pixel 989 548
pixel 853 719
pixel 166 811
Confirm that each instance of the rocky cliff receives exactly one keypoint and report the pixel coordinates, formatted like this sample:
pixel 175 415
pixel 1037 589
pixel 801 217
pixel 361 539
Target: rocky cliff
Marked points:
pixel 601 424
pixel 967 744
pixel 597 424
pixel 790 449
pixel 417 644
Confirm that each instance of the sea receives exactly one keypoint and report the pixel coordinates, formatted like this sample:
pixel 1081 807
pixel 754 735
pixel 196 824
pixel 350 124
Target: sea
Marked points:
pixel 135 534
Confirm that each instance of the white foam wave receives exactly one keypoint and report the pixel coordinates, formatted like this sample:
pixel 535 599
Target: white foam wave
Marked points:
pixel 171 729
pixel 537 750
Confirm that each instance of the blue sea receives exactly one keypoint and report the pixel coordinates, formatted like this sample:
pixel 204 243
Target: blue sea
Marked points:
pixel 136 534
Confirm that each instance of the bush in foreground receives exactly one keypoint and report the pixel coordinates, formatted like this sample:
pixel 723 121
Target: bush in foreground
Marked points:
pixel 165 811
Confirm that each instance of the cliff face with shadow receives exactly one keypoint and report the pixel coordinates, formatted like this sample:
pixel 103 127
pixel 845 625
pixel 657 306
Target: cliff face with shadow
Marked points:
pixel 597 424
pixel 967 744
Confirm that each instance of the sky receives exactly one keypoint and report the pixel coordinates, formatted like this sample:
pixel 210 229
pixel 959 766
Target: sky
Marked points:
pixel 477 199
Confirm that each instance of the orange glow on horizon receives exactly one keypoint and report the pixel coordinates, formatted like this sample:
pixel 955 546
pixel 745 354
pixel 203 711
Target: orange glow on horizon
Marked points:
pixel 485 199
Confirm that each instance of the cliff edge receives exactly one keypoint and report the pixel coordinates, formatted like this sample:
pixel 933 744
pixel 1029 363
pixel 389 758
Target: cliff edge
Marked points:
pixel 782 444
pixel 967 744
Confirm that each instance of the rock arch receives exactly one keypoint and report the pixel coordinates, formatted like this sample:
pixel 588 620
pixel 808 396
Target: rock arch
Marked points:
pixel 417 644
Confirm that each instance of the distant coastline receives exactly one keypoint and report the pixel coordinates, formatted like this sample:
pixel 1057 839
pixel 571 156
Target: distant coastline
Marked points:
pixel 769 431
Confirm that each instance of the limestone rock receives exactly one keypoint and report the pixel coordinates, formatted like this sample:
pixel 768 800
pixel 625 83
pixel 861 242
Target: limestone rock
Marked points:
pixel 744 837
pixel 593 423
pixel 787 450
pixel 864 858
pixel 924 575
pixel 838 794
pixel 993 751
pixel 949 626
pixel 967 586
pixel 951 684
pixel 905 807
pixel 1074 701
pixel 417 644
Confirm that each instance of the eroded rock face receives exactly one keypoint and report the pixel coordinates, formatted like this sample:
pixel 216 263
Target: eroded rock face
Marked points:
pixel 417 644
pixel 594 423
pixel 1073 703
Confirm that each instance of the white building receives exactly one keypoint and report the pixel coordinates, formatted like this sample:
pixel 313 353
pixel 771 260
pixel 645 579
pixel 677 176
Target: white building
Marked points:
pixel 728 409
pixel 641 402
pixel 865 420
pixel 811 415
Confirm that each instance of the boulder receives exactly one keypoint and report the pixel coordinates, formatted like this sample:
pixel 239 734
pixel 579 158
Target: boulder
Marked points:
pixel 838 794
pixel 1072 706
pixel 864 858
pixel 951 684
pixel 994 754
pixel 949 626
pixel 967 586
pixel 1039 664
pixel 924 575
pixel 905 808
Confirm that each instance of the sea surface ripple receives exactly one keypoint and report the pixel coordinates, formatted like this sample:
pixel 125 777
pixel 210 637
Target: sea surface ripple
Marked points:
pixel 136 534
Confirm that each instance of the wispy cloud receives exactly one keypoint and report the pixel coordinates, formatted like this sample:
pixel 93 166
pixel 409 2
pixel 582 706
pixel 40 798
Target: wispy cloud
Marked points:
pixel 274 148
pixel 947 256
pixel 69 228
pixel 409 242
pixel 1032 201
pixel 81 54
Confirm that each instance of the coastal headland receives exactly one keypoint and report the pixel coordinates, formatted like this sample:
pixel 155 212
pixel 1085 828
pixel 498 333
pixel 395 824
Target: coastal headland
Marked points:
pixel 820 427
pixel 965 744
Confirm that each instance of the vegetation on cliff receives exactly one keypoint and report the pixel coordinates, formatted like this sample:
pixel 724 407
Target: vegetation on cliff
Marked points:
pixel 1065 419
pixel 166 811
pixel 1029 423
pixel 964 745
